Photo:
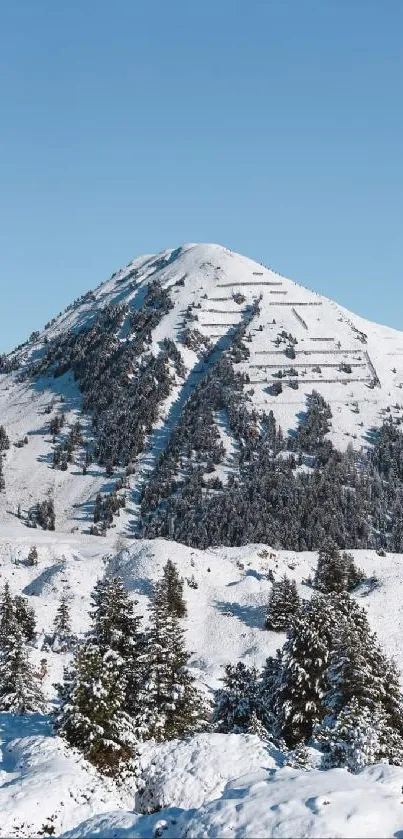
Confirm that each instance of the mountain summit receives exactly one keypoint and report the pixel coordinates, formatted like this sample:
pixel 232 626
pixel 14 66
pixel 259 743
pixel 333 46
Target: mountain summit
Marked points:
pixel 164 382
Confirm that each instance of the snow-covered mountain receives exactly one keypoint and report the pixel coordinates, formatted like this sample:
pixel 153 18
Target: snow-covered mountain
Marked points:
pixel 295 341
pixel 153 406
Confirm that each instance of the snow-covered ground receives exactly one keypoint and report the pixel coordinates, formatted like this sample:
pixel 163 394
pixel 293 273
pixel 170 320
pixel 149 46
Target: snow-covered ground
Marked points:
pixel 211 785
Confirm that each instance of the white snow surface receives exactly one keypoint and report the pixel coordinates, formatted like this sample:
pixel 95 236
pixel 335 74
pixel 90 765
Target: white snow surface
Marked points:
pixel 209 785
pixel 328 336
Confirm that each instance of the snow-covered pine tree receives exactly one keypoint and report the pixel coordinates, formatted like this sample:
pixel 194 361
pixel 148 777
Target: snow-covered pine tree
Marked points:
pixel 7 616
pixel 25 617
pixel 91 715
pixel 238 700
pixel 170 705
pixel 361 684
pixel 62 636
pixel 331 572
pixel 335 572
pixel 172 584
pixel 352 739
pixel 32 558
pixel 15 610
pixel 269 687
pixel 116 627
pixel 306 655
pixel 61 623
pixel 283 604
pixel 20 690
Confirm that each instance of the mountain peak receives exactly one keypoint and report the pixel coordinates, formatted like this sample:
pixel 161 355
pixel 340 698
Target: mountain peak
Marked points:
pixel 140 344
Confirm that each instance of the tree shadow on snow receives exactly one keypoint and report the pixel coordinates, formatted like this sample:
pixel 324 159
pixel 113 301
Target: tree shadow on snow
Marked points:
pixel 252 616
pixel 13 726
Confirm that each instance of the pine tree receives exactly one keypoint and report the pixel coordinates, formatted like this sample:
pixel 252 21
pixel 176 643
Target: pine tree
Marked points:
pixel 331 573
pixel 91 715
pixel 362 685
pixel 306 655
pixel 25 617
pixel 352 739
pixel 7 617
pixel 61 623
pixel 20 691
pixel 116 627
pixel 269 689
pixel 62 636
pixel 335 572
pixel 32 556
pixel 283 605
pixel 170 704
pixel 173 587
pixel 237 702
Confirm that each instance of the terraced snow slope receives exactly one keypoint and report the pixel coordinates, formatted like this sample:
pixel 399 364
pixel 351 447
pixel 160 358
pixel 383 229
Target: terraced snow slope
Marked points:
pixel 217 285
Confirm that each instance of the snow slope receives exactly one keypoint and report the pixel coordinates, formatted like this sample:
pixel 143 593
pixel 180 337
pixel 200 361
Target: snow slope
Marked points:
pixel 210 785
pixel 207 278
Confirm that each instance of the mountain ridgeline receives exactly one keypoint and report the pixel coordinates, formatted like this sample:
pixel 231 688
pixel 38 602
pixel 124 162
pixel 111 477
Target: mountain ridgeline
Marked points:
pixel 224 404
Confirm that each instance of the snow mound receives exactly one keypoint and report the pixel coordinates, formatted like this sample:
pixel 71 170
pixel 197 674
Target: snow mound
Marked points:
pixel 189 772
pixel 291 803
pixel 264 801
pixel 46 786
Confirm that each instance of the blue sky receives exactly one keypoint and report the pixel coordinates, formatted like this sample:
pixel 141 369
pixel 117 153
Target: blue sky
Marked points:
pixel 271 126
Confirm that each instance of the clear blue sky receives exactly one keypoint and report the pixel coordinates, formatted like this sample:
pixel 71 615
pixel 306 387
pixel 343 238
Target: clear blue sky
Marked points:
pixel 271 126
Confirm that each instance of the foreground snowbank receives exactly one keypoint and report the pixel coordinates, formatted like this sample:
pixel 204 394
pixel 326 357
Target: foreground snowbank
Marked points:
pixel 280 802
pixel 206 787
pixel 44 785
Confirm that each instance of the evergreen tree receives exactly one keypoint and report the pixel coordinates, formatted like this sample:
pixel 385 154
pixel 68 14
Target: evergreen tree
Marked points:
pixel 20 690
pixel 116 627
pixel 170 704
pixel 335 572
pixel 283 604
pixel 7 616
pixel 173 588
pixel 25 617
pixel 353 738
pixel 91 715
pixel 62 636
pixel 361 684
pixel 306 655
pixel 32 556
pixel 269 690
pixel 237 703
pixel 61 623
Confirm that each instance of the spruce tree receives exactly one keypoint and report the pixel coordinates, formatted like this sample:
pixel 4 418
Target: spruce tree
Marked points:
pixel 331 573
pixel 7 616
pixel 237 702
pixel 283 604
pixel 269 689
pixel 352 739
pixel 172 585
pixel 335 572
pixel 361 684
pixel 20 690
pixel 25 617
pixel 32 556
pixel 62 636
pixel 61 623
pixel 306 655
pixel 91 715
pixel 170 705
pixel 116 627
